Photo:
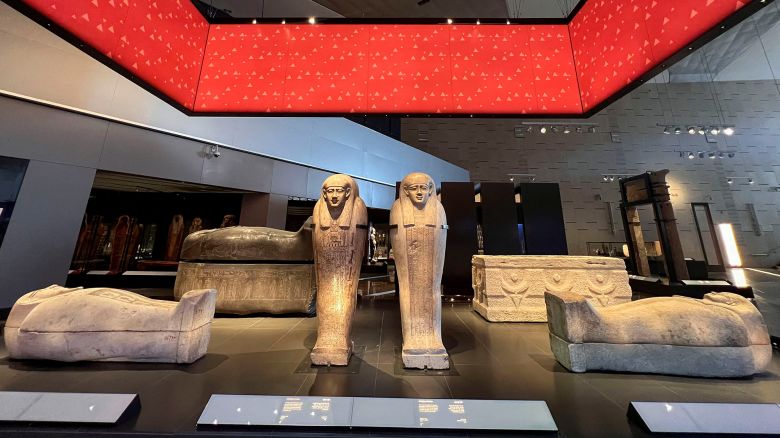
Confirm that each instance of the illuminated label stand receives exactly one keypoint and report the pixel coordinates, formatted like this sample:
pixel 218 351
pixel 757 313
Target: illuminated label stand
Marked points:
pixel 64 407
pixel 709 418
pixel 401 413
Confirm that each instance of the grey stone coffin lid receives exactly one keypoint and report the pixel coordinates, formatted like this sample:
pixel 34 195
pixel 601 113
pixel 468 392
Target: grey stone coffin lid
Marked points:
pixel 249 244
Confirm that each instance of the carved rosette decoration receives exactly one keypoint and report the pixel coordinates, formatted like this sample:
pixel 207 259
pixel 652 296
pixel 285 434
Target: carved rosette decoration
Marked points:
pixel 418 232
pixel 340 233
pixel 513 287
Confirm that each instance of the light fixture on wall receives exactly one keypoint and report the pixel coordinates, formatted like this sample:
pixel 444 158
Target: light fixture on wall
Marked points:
pixel 697 128
pixel 521 177
pixel 566 128
pixel 690 155
pixel 611 177
pixel 729 241
pixel 731 179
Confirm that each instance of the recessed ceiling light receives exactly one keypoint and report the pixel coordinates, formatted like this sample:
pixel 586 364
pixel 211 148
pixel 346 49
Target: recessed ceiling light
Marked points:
pixel 449 21
pixel 312 20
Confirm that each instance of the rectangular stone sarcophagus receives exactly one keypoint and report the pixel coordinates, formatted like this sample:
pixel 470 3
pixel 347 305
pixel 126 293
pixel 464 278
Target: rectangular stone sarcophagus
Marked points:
pixel 253 269
pixel 511 288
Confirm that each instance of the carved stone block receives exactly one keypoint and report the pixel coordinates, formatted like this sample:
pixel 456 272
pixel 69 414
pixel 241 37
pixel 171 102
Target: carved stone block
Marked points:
pixel 245 288
pixel 102 324
pixel 722 335
pixel 340 231
pixel 418 232
pixel 511 288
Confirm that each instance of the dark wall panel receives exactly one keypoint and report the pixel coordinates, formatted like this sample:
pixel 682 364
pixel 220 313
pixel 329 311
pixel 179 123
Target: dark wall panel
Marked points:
pixel 457 198
pixel 543 219
pixel 499 219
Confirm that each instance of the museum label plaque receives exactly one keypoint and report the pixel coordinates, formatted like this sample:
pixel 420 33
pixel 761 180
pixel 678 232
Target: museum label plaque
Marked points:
pixel 709 418
pixel 406 413
pixel 63 407
pixel 261 410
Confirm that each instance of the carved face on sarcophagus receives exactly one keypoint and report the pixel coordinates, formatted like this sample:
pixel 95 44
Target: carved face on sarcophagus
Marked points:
pixel 418 187
pixel 336 191
pixel 340 232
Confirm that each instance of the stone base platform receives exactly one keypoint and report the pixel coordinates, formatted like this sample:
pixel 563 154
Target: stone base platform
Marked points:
pixel 432 360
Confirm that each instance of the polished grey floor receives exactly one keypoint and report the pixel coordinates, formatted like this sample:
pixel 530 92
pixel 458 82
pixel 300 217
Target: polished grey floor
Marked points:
pixel 261 355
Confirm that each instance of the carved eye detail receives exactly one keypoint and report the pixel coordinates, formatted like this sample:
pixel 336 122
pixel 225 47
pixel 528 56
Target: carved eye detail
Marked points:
pixel 556 278
pixel 514 276
pixel 600 278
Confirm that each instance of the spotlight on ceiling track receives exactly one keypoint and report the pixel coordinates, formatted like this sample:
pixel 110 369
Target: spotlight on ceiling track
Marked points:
pixel 728 131
pixel 312 20
pixel 729 181
pixel 677 131
pixel 254 21
pixel 701 131
pixel 449 21
pixel 711 155
pixel 508 22
pixel 691 155
pixel 691 130
pixel 701 154
pixel 667 131
pixel 566 130
pixel 478 23
pixel 284 21
pixel 750 181
pixel 543 130
pixel 714 130
pixel 605 178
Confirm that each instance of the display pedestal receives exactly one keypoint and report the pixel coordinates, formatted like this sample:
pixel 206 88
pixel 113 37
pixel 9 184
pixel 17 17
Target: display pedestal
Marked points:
pixel 511 288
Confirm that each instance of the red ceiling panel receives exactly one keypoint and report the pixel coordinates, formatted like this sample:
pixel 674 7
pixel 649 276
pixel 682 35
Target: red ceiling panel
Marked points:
pixel 617 41
pixel 399 69
pixel 554 76
pixel 243 69
pixel 491 70
pixel 159 41
pixel 409 69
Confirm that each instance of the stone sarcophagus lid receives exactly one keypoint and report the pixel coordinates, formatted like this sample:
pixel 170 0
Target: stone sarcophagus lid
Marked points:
pixel 253 269
pixel 101 324
pixel 722 335
pixel 511 288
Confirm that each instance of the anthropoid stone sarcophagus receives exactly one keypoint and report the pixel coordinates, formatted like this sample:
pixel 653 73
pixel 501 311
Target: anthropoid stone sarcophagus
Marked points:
pixel 722 335
pixel 253 269
pixel 511 288
pixel 102 324
pixel 418 232
pixel 340 232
